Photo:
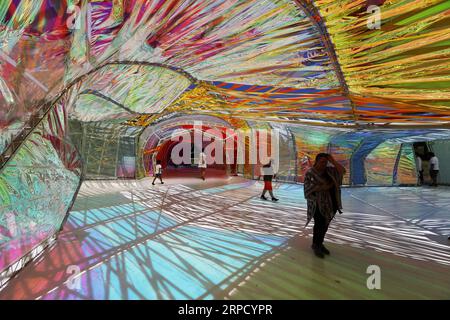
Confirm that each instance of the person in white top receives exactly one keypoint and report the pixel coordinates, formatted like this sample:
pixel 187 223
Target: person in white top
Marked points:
pixel 158 172
pixel 267 172
pixel 434 169
pixel 419 169
pixel 202 164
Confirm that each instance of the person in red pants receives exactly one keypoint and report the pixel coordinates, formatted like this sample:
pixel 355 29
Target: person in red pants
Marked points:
pixel 268 173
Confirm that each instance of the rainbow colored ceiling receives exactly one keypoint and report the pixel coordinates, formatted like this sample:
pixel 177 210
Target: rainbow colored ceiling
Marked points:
pixel 270 60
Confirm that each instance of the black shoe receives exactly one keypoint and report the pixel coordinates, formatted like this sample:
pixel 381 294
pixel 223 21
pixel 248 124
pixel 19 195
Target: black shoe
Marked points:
pixel 264 198
pixel 153 183
pixel 162 182
pixel 325 250
pixel 274 199
pixel 317 251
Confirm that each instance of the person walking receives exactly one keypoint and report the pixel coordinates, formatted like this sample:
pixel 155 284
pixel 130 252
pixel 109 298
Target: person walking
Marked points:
pixel 158 172
pixel 322 190
pixel 419 169
pixel 202 164
pixel 268 174
pixel 434 169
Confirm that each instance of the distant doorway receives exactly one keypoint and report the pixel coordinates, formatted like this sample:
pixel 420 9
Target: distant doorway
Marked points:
pixel 422 150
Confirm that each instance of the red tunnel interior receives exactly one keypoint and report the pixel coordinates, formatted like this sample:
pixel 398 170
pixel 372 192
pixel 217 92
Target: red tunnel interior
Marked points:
pixel 164 151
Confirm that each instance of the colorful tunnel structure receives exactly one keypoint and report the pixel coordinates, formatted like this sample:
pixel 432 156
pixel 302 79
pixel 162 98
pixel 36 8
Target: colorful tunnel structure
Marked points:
pixel 93 89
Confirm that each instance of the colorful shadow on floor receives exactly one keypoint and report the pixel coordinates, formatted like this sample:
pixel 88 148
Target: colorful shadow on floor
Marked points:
pixel 201 240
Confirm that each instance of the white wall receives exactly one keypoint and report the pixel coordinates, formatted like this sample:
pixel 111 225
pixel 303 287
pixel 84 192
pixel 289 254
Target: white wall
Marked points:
pixel 442 150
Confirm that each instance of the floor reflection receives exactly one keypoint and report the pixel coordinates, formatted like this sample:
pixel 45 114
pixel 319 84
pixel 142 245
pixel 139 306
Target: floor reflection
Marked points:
pixel 206 240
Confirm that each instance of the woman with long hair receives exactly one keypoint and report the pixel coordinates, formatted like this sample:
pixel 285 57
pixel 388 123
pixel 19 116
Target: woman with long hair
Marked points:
pixel 322 189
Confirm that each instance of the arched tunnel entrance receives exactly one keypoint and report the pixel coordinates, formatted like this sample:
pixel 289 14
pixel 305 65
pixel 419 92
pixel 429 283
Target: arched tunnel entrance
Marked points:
pixel 179 154
pixel 228 151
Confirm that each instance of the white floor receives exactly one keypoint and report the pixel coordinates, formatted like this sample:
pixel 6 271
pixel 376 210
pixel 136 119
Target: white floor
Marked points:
pixel 189 239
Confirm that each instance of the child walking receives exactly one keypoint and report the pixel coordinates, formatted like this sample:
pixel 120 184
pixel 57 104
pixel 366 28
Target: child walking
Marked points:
pixel 158 172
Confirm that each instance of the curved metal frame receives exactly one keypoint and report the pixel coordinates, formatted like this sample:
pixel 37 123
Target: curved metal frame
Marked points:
pixel 311 11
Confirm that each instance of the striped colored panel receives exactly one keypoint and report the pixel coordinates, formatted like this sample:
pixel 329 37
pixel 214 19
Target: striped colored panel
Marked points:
pixel 406 59
pixel 406 172
pixel 380 164
pixel 310 142
pixel 265 102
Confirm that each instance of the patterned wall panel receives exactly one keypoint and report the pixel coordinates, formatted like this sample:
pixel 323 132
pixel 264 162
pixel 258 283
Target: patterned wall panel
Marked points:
pixel 406 170
pixel 108 148
pixel 342 147
pixel 405 58
pixel 310 142
pixel 380 164
pixel 37 187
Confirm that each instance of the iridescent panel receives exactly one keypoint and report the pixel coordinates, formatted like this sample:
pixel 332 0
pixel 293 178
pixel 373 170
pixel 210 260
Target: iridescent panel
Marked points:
pixel 394 50
pixel 406 170
pixel 310 142
pixel 37 187
pixel 380 164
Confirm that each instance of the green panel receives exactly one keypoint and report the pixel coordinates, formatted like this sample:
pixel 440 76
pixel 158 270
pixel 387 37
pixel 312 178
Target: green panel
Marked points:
pixel 108 149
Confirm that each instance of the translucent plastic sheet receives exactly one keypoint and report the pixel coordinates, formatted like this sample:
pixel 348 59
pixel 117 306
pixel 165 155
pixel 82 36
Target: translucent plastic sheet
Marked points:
pixel 396 50
pixel 310 142
pixel 122 91
pixel 108 149
pixel 37 187
pixel 380 164
pixel 406 170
